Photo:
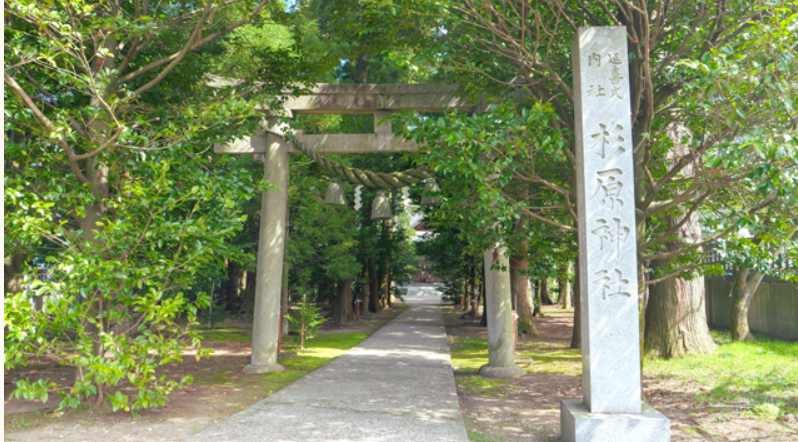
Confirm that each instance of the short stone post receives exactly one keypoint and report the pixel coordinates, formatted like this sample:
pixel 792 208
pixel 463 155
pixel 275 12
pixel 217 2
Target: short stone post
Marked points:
pixel 501 333
pixel 612 409
pixel 271 244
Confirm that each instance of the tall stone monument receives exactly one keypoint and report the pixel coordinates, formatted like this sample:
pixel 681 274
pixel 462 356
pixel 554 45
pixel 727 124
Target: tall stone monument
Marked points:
pixel 612 409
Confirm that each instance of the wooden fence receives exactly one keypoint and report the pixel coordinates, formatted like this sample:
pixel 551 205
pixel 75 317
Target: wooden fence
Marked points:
pixel 774 309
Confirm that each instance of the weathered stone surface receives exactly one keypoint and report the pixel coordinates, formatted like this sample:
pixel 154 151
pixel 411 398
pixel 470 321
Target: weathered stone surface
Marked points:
pixel 382 125
pixel 580 425
pixel 612 409
pixel 513 371
pixel 607 245
pixel 271 240
pixel 334 98
pixel 501 332
pixel 266 368
pixel 328 143
pixel 367 98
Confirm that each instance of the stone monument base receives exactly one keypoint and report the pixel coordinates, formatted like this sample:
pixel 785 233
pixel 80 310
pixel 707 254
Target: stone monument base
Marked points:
pixel 257 369
pixel 578 424
pixel 512 371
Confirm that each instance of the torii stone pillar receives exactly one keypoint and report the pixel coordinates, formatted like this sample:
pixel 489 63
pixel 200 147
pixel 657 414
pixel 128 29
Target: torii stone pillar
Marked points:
pixel 271 245
pixel 499 308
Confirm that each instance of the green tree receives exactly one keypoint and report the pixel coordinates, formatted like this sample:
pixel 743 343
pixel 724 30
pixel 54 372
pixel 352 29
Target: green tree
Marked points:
pixel 109 127
pixel 768 246
pixel 309 320
pixel 373 43
pixel 484 163
pixel 724 70
pixel 321 249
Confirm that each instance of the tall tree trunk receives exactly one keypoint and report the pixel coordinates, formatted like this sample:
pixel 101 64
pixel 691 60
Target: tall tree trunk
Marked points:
pixel 248 297
pixel 342 307
pixel 285 292
pixel 285 304
pixel 545 298
pixel 475 290
pixel 519 284
pixel 483 294
pixel 576 333
pixel 564 283
pixel 240 285
pixel 675 320
pixel 675 317
pixel 12 273
pixel 374 288
pixel 229 287
pixel 519 275
pixel 362 69
pixel 464 295
pixel 385 280
pixel 746 281
pixel 385 268
pixel 97 174
pixel 472 287
pixel 389 296
pixel 537 309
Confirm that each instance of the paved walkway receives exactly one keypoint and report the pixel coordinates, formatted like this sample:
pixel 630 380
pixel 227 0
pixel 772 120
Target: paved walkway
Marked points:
pixel 397 385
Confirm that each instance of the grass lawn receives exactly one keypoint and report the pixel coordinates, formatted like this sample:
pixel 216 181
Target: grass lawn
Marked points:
pixel 741 392
pixel 317 353
pixel 760 377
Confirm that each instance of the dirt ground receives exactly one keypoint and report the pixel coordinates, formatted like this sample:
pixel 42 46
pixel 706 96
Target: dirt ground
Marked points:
pixel 527 408
pixel 220 389
pixel 523 409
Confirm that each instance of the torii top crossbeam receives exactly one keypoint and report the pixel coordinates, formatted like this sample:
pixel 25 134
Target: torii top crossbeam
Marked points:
pixel 378 99
pixel 329 98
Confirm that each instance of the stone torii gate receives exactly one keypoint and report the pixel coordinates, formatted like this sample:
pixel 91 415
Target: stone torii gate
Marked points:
pixel 380 100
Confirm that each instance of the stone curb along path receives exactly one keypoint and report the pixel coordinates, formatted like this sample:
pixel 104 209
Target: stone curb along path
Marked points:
pixel 397 385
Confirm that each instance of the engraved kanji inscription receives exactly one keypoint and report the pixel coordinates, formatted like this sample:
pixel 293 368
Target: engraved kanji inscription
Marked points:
pixel 608 141
pixel 596 90
pixel 616 78
pixel 611 234
pixel 612 284
pixel 614 57
pixel 594 58
pixel 609 187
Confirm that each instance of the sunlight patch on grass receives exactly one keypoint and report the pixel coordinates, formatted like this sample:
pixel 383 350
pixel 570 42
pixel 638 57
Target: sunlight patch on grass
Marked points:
pixel 468 354
pixel 321 350
pixel 216 379
pixel 761 376
pixel 552 360
pixel 318 353
pixel 481 386
pixel 558 310
pixel 340 341
pixel 476 436
pixel 226 335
